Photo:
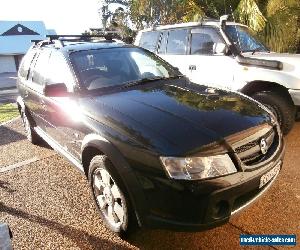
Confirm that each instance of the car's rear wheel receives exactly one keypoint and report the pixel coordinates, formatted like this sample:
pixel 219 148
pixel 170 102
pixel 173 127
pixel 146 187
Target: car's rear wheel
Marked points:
pixel 110 196
pixel 281 107
pixel 31 135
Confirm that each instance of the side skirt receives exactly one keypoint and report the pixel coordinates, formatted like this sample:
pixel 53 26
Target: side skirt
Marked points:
pixel 59 149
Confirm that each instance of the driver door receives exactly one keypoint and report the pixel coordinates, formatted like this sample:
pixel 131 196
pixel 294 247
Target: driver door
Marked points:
pixel 208 64
pixel 63 113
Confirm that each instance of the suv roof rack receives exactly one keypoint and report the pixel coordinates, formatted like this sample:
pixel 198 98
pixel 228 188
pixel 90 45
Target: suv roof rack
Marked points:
pixel 58 40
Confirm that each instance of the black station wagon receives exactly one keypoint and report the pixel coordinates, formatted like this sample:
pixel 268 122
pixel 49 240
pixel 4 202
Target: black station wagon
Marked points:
pixel 158 150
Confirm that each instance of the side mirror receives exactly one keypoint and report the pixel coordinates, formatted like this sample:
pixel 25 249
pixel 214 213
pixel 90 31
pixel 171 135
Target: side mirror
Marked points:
pixel 56 90
pixel 220 48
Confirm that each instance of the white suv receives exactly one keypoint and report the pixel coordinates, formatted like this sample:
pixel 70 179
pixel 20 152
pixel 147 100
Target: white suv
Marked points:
pixel 227 55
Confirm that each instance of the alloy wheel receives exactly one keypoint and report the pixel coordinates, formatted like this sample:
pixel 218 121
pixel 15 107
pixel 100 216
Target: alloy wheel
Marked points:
pixel 108 197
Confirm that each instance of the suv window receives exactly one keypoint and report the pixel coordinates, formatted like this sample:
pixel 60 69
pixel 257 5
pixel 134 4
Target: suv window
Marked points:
pixel 203 41
pixel 149 40
pixel 163 42
pixel 27 59
pixel 58 71
pixel 40 69
pixel 177 41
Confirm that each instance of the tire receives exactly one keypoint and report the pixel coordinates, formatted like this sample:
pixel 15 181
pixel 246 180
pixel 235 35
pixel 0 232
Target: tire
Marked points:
pixel 110 196
pixel 283 108
pixel 31 135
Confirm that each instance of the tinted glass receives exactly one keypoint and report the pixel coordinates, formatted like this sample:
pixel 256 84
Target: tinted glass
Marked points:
pixel 40 69
pixel 117 66
pixel 204 40
pixel 163 43
pixel 177 41
pixel 26 61
pixel 244 39
pixel 149 40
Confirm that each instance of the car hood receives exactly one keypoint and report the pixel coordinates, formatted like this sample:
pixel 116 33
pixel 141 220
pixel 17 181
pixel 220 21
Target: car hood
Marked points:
pixel 291 62
pixel 175 118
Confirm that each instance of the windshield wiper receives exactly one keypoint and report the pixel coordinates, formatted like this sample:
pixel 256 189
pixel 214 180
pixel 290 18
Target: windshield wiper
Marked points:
pixel 150 79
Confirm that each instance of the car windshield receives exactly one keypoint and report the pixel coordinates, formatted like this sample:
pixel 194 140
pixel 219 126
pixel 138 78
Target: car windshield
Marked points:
pixel 244 39
pixel 110 67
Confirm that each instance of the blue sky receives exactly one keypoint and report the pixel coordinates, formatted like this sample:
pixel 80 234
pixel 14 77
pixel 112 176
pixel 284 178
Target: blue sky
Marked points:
pixel 65 16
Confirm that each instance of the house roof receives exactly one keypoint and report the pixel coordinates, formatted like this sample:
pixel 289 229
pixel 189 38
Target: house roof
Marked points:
pixel 16 36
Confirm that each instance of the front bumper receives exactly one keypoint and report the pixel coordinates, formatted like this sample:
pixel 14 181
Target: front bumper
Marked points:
pixel 295 95
pixel 201 205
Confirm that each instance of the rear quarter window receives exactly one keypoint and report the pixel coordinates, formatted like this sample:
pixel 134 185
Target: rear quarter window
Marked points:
pixel 149 40
pixel 26 62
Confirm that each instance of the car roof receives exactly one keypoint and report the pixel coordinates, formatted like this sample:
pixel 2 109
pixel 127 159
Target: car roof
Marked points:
pixel 78 46
pixel 213 23
pixel 68 46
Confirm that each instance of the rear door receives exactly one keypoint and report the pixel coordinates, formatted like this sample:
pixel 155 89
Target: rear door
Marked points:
pixel 35 85
pixel 23 73
pixel 173 48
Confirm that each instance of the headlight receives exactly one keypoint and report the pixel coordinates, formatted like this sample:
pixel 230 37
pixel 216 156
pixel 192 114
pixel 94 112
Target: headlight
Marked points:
pixel 198 167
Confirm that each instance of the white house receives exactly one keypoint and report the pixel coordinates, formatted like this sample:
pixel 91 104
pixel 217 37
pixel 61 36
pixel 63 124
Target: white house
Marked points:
pixel 15 40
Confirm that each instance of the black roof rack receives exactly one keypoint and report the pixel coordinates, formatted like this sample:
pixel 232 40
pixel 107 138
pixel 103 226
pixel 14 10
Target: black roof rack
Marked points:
pixel 60 39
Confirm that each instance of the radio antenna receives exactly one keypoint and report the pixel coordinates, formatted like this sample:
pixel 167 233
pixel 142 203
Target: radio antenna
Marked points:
pixel 225 7
pixel 235 26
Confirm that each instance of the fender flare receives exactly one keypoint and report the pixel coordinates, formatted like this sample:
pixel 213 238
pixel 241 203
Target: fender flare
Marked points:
pixel 126 173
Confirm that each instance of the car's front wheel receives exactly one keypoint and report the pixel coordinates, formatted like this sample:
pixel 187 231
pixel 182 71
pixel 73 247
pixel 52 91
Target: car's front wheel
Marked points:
pixel 281 107
pixel 109 195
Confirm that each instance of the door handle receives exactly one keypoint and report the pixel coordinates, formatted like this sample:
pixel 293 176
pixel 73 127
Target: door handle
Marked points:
pixel 192 67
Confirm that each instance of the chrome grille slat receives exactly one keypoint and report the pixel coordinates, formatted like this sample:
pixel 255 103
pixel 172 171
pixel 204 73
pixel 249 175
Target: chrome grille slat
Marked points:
pixel 250 153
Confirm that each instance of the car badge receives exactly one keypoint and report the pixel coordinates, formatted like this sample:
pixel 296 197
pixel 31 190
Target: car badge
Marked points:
pixel 263 146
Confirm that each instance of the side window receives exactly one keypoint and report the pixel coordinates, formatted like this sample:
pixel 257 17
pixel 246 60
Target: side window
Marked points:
pixel 26 61
pixel 149 40
pixel 204 41
pixel 40 69
pixel 59 71
pixel 163 42
pixel 177 41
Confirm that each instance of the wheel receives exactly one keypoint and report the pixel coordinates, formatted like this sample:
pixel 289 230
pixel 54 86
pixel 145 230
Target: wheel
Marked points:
pixel 110 196
pixel 31 135
pixel 281 107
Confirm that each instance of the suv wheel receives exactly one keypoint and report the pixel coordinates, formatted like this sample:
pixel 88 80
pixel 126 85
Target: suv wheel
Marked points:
pixel 108 194
pixel 283 110
pixel 31 135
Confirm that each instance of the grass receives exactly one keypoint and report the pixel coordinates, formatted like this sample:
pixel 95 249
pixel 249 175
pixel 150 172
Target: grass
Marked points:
pixel 8 112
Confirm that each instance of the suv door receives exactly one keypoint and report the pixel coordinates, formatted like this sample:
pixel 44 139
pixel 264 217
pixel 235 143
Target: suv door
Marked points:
pixel 63 113
pixel 35 86
pixel 23 73
pixel 206 64
pixel 173 48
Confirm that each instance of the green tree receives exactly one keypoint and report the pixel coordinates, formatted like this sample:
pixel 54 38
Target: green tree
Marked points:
pixel 275 21
pixel 145 13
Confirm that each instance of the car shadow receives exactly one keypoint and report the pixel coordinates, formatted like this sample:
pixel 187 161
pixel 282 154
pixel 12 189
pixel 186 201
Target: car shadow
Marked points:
pixel 82 239
pixel 4 185
pixel 8 135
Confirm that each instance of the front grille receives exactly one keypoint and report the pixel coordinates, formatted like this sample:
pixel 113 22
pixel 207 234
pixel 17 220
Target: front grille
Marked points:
pixel 250 153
